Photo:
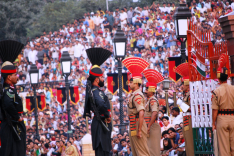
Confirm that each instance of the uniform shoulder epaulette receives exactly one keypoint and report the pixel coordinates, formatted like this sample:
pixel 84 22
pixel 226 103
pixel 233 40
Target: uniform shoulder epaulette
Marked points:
pixel 10 94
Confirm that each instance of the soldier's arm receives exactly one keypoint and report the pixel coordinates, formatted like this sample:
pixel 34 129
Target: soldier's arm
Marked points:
pixel 9 105
pixel 141 119
pixel 154 107
pixel 215 108
pixel 139 103
pixel 100 103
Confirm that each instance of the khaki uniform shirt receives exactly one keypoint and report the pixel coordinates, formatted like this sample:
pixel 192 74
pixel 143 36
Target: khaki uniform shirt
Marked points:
pixel 136 102
pixel 151 106
pixel 223 97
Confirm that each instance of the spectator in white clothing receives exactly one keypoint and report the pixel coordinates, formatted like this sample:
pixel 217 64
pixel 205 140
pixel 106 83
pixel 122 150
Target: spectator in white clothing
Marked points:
pixel 178 116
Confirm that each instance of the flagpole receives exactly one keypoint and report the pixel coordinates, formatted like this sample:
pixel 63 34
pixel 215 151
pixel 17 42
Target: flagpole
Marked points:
pixel 36 114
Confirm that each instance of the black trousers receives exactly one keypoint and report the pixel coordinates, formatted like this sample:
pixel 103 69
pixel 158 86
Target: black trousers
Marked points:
pixel 99 151
pixel 10 147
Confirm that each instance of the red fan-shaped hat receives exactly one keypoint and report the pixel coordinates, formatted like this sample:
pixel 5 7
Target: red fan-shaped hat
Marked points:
pixel 183 70
pixel 135 65
pixel 153 77
pixel 222 65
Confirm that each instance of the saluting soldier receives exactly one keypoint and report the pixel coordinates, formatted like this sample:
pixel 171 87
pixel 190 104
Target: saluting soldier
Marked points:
pixel 183 70
pixel 13 131
pixel 136 107
pixel 223 110
pixel 101 140
pixel 151 111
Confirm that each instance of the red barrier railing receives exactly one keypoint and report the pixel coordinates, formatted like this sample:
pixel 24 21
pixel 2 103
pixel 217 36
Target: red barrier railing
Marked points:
pixel 200 45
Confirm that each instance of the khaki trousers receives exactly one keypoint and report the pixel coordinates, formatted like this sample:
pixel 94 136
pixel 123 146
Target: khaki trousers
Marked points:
pixel 188 137
pixel 225 133
pixel 139 146
pixel 154 139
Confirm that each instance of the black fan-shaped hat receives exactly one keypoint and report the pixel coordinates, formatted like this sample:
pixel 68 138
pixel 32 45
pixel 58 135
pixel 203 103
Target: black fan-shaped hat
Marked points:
pixel 97 57
pixel 9 51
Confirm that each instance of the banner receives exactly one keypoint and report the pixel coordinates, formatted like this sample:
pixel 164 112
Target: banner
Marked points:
pixel 74 95
pixel 41 102
pixel 125 80
pixel 30 103
pixel 173 62
pixel 112 82
pixel 61 95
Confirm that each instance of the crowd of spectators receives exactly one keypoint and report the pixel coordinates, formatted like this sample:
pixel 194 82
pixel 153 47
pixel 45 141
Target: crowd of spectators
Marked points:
pixel 150 33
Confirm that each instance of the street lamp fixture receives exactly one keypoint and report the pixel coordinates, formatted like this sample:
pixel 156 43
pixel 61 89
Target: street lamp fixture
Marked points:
pixel 34 75
pixel 119 44
pixel 181 16
pixel 66 63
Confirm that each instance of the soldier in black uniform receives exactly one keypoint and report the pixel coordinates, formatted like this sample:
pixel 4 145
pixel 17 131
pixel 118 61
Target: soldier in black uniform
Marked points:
pixel 13 131
pixel 101 139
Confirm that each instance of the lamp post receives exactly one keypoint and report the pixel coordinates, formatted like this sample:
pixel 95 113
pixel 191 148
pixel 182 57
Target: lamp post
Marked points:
pixel 166 85
pixel 119 41
pixel 181 16
pixel 34 78
pixel 66 70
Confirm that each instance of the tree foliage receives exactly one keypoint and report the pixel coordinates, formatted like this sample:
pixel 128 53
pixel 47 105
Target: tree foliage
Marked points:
pixel 20 19
pixel 54 15
pixel 16 16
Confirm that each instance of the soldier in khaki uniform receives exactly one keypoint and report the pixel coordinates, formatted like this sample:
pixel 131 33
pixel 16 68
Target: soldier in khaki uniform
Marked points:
pixel 136 107
pixel 223 110
pixel 151 109
pixel 183 70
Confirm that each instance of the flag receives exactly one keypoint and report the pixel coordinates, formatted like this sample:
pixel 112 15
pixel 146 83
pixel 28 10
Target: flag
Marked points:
pixel 41 102
pixel 125 80
pixel 61 95
pixel 74 95
pixel 30 103
pixel 199 62
pixel 173 62
pixel 112 82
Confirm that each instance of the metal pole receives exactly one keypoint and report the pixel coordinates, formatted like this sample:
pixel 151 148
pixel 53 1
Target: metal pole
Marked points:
pixel 167 104
pixel 87 124
pixel 174 97
pixel 68 107
pixel 183 55
pixel 120 94
pixel 111 113
pixel 107 7
pixel 36 115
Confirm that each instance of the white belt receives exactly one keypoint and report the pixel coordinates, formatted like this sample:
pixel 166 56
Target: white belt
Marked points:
pixel 187 113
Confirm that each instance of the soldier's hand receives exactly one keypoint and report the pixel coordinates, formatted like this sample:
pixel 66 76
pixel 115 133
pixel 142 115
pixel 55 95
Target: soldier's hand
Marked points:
pixel 139 135
pixel 20 119
pixel 213 127
pixel 148 130
pixel 108 120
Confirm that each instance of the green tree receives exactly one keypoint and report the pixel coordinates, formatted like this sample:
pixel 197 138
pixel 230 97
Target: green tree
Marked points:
pixel 16 16
pixel 54 15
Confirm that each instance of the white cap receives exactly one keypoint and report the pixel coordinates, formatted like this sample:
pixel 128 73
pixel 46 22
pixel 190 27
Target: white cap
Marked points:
pixel 92 13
